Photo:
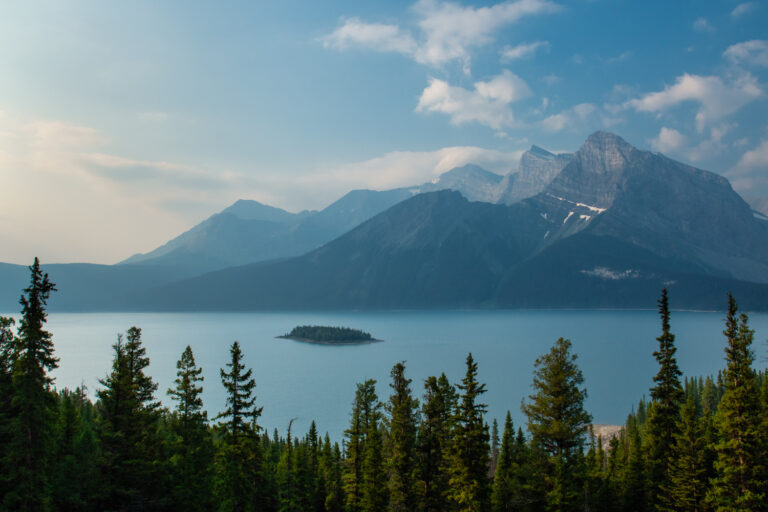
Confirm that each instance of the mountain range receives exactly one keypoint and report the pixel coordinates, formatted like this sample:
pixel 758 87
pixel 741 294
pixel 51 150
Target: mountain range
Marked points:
pixel 607 226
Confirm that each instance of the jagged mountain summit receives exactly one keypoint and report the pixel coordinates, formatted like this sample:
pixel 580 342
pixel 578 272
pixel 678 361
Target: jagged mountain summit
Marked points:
pixel 613 227
pixel 538 167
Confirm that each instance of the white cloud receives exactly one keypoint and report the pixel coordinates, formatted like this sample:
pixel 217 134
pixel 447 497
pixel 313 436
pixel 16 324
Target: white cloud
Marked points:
pixel 668 140
pixel 375 36
pixel 743 9
pixel 755 158
pixel 753 52
pixel 702 25
pixel 568 118
pixel 404 169
pixel 522 50
pixel 716 98
pixel 447 30
pixel 488 104
pixel 714 145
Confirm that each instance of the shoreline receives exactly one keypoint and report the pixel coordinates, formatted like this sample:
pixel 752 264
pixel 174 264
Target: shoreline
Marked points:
pixel 330 342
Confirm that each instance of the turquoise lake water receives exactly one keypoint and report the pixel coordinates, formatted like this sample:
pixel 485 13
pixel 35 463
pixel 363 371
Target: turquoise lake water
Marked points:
pixel 305 381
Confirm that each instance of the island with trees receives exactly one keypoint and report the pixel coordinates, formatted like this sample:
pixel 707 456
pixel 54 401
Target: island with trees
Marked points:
pixel 325 335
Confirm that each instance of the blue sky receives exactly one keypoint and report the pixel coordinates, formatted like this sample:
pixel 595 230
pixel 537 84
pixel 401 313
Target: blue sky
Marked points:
pixel 122 124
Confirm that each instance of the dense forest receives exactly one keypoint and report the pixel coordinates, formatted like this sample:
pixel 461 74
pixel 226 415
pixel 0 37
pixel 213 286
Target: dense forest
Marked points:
pixel 695 445
pixel 321 333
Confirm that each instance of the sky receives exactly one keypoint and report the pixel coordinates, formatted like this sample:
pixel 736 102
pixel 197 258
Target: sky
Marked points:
pixel 122 124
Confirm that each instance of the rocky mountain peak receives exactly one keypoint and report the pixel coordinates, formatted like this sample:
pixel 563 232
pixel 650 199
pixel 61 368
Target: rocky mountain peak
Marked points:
pixel 604 153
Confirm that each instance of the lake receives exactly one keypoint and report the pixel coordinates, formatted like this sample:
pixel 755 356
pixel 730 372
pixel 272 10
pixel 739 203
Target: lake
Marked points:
pixel 306 381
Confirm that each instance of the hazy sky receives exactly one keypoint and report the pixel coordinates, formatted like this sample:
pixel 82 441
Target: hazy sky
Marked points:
pixel 124 123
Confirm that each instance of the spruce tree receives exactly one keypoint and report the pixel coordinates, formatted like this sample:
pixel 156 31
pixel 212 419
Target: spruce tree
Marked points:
pixel 506 488
pixel 469 456
pixel 739 484
pixel 128 429
pixel 7 349
pixel 365 411
pixel 33 403
pixel 687 484
pixel 558 423
pixel 239 480
pixel 401 462
pixel 374 485
pixel 192 450
pixel 434 443
pixel 667 395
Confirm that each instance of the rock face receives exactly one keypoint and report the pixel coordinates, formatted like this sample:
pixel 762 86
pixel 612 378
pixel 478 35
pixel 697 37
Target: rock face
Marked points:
pixel 538 167
pixel 474 183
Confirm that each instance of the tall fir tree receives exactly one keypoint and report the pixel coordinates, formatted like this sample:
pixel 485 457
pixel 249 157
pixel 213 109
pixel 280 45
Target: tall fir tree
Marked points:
pixel 667 396
pixel 128 429
pixel 365 410
pixel 685 489
pixel 506 487
pixel 739 484
pixel 33 403
pixel 401 462
pixel 239 471
pixel 434 443
pixel 470 450
pixel 192 448
pixel 558 423
pixel 374 489
pixel 7 350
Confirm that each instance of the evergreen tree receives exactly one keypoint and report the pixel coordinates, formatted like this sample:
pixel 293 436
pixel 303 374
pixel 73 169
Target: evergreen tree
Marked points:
pixel 739 484
pixel 192 451
pixel 635 491
pixel 494 447
pixel 687 484
pixel 434 442
pixel 30 432
pixel 239 481
pixel 128 429
pixel 374 488
pixel 402 409
pixel 365 411
pixel 558 423
pixel 506 488
pixel 667 395
pixel 469 457
pixel 7 349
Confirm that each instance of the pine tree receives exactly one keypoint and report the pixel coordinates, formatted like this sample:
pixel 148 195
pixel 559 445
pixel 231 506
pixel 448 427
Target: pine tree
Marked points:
pixel 635 488
pixel 687 484
pixel 402 409
pixel 365 411
pixel 506 488
pixel 667 395
pixel 239 460
pixel 192 451
pixel 128 429
pixel 7 350
pixel 374 488
pixel 494 447
pixel 740 469
pixel 434 443
pixel 469 456
pixel 32 401
pixel 558 423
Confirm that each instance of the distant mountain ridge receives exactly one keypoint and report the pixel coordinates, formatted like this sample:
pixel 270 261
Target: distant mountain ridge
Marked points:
pixel 606 226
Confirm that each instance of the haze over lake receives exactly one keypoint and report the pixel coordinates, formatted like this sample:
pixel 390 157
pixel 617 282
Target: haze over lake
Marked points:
pixel 305 381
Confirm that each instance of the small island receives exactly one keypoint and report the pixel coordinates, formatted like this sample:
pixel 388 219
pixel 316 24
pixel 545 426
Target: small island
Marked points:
pixel 325 335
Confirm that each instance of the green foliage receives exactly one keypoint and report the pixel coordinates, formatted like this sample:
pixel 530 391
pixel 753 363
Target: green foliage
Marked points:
pixel 740 480
pixel 469 452
pixel 365 412
pixel 667 395
pixel 33 406
pixel 401 462
pixel 434 443
pixel 558 423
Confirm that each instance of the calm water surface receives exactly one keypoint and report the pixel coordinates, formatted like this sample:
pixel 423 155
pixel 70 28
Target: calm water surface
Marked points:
pixel 305 381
